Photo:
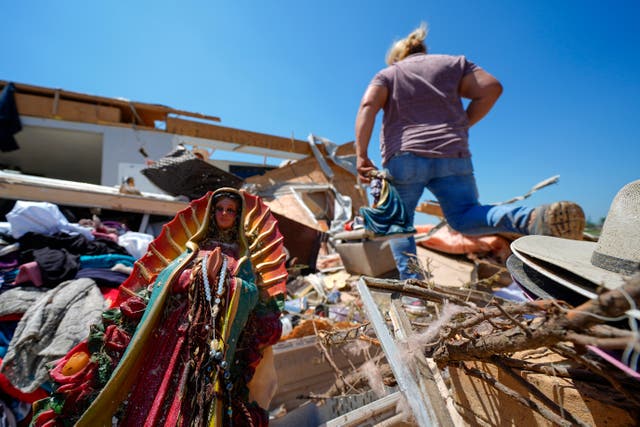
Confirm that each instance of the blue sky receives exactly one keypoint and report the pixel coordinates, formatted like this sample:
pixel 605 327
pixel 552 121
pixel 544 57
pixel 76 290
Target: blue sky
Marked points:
pixel 569 70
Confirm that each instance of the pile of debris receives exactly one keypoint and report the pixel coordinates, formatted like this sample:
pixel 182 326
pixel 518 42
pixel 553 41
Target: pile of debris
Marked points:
pixel 468 357
pixel 490 337
pixel 464 346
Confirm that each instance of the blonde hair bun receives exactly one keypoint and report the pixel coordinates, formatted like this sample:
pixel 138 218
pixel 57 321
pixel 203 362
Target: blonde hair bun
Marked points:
pixel 413 43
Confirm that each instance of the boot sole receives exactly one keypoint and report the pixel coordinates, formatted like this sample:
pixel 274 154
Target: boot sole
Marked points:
pixel 566 220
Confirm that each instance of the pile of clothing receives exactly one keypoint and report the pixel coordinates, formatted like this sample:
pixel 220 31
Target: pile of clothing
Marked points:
pixel 56 278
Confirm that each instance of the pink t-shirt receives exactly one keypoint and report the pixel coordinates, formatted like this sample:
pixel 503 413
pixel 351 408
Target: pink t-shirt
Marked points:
pixel 424 113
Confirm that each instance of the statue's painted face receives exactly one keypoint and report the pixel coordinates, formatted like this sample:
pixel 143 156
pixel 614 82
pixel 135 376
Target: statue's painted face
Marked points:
pixel 226 211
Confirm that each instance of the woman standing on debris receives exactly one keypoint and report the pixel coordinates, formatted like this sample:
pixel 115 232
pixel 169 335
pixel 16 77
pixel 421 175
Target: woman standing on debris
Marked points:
pixel 424 144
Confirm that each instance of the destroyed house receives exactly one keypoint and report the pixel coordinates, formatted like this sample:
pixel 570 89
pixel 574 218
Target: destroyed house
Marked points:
pixel 99 141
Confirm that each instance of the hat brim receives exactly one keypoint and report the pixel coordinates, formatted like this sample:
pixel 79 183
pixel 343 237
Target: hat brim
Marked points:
pixel 537 285
pixel 574 256
pixel 565 278
pixel 558 275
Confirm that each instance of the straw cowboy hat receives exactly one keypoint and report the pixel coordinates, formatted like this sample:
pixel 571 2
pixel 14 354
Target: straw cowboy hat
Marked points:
pixel 583 266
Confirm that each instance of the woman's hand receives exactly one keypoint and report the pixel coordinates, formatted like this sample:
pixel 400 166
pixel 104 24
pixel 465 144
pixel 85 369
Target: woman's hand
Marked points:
pixel 364 166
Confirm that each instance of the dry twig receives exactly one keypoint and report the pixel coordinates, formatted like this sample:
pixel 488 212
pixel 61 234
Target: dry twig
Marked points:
pixel 335 367
pixel 487 327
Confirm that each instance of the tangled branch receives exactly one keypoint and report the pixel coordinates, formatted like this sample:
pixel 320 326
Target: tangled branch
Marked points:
pixel 489 330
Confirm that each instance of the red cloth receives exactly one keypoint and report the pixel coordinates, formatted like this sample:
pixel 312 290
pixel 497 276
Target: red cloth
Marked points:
pixel 8 388
pixel 29 273
pixel 110 236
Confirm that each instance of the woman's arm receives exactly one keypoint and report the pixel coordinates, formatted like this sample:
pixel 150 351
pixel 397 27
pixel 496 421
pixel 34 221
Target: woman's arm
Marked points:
pixel 373 100
pixel 484 90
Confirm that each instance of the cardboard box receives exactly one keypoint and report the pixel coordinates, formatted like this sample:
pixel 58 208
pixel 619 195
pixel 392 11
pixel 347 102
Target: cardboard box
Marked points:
pixel 369 257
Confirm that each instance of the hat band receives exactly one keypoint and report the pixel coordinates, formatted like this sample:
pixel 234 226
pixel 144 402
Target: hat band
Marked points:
pixel 617 265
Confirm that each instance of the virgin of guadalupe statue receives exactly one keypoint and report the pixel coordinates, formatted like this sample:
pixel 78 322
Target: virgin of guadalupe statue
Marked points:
pixel 188 341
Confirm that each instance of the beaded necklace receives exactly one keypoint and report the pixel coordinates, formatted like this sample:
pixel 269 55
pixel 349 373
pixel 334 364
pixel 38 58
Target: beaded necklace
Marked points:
pixel 216 346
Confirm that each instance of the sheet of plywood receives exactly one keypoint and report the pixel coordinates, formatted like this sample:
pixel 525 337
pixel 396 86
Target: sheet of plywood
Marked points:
pixel 307 171
pixel 447 270
pixel 346 149
pixel 481 404
pixel 289 206
pixel 303 369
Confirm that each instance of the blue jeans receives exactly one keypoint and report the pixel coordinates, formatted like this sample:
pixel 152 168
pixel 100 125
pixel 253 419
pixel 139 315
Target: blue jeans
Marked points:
pixel 452 182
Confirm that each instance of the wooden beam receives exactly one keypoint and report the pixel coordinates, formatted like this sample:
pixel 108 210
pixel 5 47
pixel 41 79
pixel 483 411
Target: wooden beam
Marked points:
pixel 237 136
pixel 196 115
pixel 26 187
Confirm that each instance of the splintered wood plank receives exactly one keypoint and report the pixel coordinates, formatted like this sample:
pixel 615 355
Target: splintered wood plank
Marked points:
pixel 423 412
pixel 447 270
pixel 426 371
pixel 307 171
